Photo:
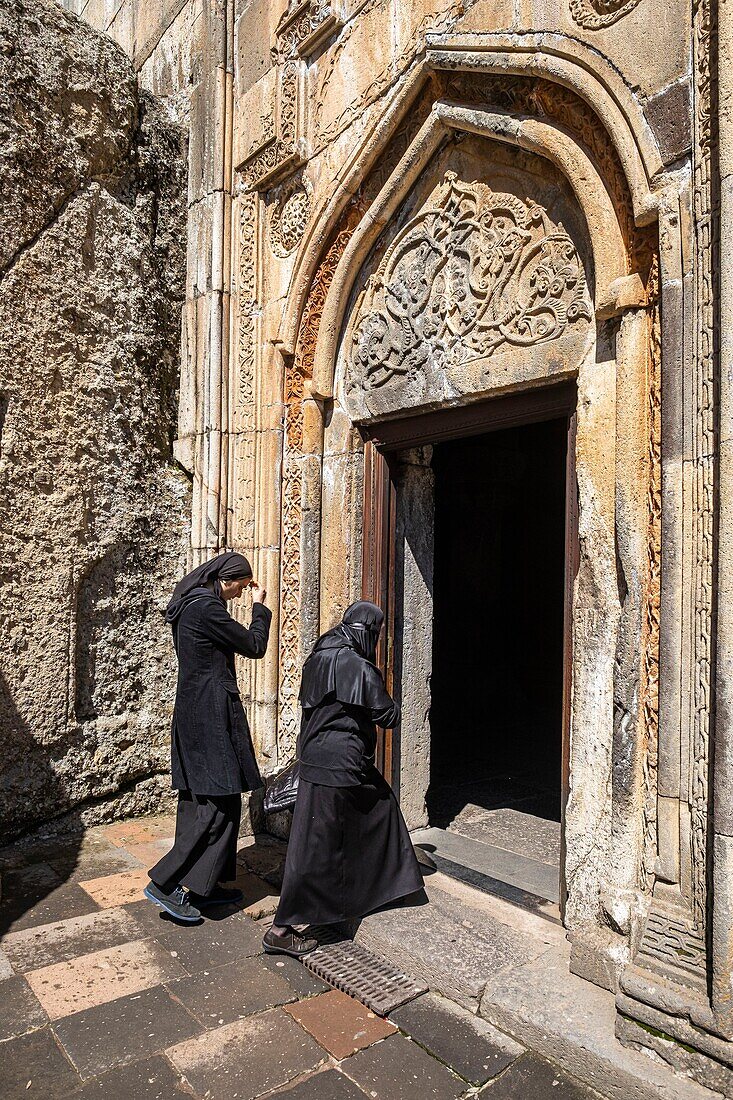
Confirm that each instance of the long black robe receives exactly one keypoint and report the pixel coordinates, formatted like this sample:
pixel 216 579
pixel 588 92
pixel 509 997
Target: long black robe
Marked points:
pixel 349 851
pixel 211 745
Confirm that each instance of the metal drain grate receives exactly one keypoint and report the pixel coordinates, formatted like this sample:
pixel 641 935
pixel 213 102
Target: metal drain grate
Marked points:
pixel 353 969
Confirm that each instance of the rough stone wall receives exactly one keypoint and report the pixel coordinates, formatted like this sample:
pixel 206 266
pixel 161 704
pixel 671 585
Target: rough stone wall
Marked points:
pixel 95 514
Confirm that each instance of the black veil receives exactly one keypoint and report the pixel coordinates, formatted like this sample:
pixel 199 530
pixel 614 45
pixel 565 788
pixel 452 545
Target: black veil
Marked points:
pixel 342 661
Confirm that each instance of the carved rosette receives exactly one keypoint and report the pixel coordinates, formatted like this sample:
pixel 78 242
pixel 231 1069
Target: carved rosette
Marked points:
pixel 289 217
pixel 596 14
pixel 476 272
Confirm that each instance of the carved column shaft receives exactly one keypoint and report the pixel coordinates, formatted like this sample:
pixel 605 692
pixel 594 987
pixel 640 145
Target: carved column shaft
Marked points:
pixel 722 924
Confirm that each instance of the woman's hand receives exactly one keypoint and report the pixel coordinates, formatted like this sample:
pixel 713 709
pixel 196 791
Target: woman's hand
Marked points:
pixel 259 594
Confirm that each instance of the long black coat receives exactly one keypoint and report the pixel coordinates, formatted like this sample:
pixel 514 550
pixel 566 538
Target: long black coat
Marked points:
pixel 211 750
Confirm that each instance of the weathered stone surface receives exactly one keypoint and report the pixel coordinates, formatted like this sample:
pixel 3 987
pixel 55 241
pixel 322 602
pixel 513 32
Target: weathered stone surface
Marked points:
pixel 219 995
pixel 470 1046
pixel 247 1058
pixel 91 239
pixel 123 1031
pixel 34 1066
pixel 21 1011
pixel 398 1069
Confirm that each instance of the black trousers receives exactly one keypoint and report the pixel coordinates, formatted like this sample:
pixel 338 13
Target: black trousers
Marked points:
pixel 204 851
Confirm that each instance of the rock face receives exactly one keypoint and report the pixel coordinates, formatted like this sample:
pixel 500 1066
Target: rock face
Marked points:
pixel 93 529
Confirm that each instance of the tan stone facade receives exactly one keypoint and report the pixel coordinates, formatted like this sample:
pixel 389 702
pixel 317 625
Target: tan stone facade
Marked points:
pixel 402 207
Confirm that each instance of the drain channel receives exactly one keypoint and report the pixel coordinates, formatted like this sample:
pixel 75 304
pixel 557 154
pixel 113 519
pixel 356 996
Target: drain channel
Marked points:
pixel 355 970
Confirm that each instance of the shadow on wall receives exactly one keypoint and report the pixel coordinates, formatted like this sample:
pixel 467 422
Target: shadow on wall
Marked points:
pixel 31 870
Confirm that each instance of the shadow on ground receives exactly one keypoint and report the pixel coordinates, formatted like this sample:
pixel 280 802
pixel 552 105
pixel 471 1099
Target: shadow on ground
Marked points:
pixel 33 867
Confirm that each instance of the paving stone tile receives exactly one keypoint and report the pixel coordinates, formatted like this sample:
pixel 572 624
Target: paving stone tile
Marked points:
pixel 302 981
pixel 339 1023
pixel 263 859
pixel 124 1030
pixel 259 900
pixel 532 1078
pixel 230 992
pixel 398 1069
pixel 327 1085
pixel 36 895
pixel 119 889
pixel 34 1066
pixel 6 969
pixel 470 1046
pixel 57 904
pixel 148 853
pixel 20 1011
pixel 149 916
pixel 47 944
pixel 140 830
pixel 39 849
pixel 248 1057
pixel 69 987
pixel 78 855
pixel 93 863
pixel 29 884
pixel 211 943
pixel 152 1079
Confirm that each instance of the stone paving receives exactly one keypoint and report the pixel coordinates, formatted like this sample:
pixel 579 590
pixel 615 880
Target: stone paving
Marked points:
pixel 102 995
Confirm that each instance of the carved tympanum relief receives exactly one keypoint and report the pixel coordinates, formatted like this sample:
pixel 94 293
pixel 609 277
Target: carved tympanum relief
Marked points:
pixel 596 14
pixel 476 271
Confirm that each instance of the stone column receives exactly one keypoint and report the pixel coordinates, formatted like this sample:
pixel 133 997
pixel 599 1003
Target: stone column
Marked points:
pixel 415 538
pixel 341 517
pixel 203 421
pixel 722 919
pixel 672 292
pixel 632 535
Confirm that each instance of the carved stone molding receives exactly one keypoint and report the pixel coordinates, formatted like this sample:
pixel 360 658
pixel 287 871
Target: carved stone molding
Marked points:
pixel 296 376
pixel 306 25
pixel 705 444
pixel 650 668
pixel 673 946
pixel 596 14
pixel 284 152
pixel 289 216
pixel 474 272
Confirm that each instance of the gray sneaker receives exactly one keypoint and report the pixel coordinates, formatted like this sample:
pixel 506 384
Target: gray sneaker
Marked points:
pixel 176 904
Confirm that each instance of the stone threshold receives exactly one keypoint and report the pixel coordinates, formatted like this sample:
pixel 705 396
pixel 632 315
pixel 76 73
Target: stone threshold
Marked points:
pixel 493 870
pixel 531 997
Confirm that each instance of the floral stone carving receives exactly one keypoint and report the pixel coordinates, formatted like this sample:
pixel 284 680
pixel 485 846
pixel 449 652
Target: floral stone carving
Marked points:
pixel 473 273
pixel 289 219
pixel 596 14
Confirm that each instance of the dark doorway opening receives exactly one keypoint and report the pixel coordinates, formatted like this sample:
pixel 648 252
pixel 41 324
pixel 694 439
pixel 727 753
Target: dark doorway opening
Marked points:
pixel 499 629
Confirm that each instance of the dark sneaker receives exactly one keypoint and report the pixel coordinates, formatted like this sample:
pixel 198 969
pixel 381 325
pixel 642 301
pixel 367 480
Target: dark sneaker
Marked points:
pixel 220 895
pixel 292 943
pixel 176 904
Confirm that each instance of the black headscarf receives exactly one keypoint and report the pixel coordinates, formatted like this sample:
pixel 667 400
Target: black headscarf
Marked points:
pixel 342 660
pixel 224 567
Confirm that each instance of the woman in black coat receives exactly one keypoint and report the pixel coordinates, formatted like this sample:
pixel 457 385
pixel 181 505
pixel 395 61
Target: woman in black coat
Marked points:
pixel 349 850
pixel 212 758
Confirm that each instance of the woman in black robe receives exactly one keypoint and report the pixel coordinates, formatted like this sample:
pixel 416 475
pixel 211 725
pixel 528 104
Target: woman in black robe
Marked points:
pixel 349 851
pixel 212 758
